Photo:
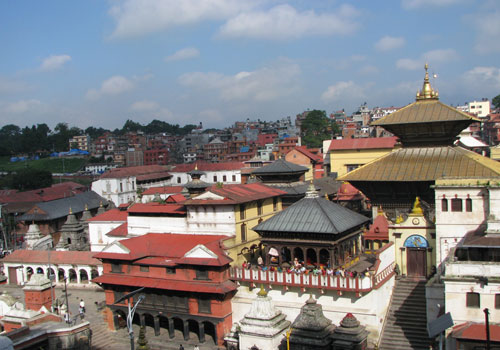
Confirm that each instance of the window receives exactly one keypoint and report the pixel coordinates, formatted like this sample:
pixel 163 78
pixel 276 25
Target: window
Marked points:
pixel 497 301
pixel 259 208
pixel 144 268
pixel 444 204
pixel 117 295
pixel 116 268
pixel 473 300
pixel 202 274
pixel 215 178
pixel 242 211
pixel 275 203
pixel 224 178
pixel 456 204
pixel 204 306
pixel 234 178
pixel 121 187
pixel 243 232
pixel 170 270
pixel 178 180
pixel 468 205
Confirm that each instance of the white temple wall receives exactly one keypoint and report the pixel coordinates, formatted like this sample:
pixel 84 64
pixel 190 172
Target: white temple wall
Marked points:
pixel 97 234
pixel 212 220
pixel 140 225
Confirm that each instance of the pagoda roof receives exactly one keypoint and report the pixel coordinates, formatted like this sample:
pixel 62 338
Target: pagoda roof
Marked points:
pixel 313 215
pixel 425 164
pixel 280 166
pixel 424 111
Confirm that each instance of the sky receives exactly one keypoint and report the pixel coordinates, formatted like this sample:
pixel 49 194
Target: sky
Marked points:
pixel 101 62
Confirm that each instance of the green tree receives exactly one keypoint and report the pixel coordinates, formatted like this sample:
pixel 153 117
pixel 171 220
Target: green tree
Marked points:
pixel 496 101
pixel 31 179
pixel 317 127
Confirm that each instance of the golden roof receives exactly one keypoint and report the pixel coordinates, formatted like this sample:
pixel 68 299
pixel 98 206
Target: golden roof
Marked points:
pixel 425 164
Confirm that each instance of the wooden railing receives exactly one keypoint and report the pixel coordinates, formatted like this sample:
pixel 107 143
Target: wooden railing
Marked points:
pixel 359 284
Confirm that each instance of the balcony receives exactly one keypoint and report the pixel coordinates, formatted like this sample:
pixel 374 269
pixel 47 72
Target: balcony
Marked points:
pixel 358 285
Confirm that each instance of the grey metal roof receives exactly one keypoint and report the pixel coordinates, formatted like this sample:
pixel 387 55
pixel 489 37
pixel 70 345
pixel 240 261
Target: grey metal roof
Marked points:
pixel 280 166
pixel 313 215
pixel 60 207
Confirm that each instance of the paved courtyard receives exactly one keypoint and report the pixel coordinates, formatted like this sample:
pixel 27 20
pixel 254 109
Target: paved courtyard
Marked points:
pixel 102 337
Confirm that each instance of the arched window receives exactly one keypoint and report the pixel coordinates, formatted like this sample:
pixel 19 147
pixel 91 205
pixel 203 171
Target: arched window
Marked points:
pixel 444 204
pixel 468 205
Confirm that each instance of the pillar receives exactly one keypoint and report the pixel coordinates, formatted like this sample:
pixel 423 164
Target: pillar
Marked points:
pixel 201 327
pixel 171 329
pixel 186 329
pixel 78 280
pixel 157 325
pixel 142 319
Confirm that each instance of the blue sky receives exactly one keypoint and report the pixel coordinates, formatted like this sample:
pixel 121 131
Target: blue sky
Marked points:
pixel 99 63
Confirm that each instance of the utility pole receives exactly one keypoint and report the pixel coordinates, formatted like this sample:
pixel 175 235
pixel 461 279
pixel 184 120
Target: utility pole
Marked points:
pixel 487 323
pixel 131 311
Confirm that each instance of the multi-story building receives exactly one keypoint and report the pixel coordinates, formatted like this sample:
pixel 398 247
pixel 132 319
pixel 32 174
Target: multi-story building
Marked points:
pixel 226 173
pixel 300 155
pixel 120 185
pixel 82 142
pixel 185 280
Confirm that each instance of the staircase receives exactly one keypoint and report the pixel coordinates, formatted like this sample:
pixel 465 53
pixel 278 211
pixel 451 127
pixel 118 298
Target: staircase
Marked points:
pixel 406 324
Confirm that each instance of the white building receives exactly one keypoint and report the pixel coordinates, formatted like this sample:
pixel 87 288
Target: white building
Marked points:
pixel 120 185
pixel 97 169
pixel 227 173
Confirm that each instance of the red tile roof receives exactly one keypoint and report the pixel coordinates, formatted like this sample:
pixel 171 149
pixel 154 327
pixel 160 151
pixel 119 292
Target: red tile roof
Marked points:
pixel 476 331
pixel 134 171
pixel 363 143
pixel 175 198
pixel 171 247
pixel 111 215
pixel 163 190
pixel 120 231
pixel 238 193
pixel 348 192
pixel 307 153
pixel 56 257
pixel 202 166
pixel 154 207
pixel 379 230
pixel 171 284
pixel 46 194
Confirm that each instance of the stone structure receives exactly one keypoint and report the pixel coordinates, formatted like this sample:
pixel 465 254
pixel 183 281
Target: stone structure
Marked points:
pixel 264 326
pixel 32 236
pixel 38 292
pixel 72 235
pixel 311 329
pixel 349 335
pixel 196 186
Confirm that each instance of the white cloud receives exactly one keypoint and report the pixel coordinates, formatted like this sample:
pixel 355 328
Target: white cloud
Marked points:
pixel 414 4
pixel 144 105
pixel 343 90
pixel 265 84
pixel 112 86
pixel 484 78
pixel 487 25
pixel 138 17
pixel 368 69
pixel 54 62
pixel 432 57
pixel 22 106
pixel 285 22
pixel 184 54
pixel 12 86
pixel 388 43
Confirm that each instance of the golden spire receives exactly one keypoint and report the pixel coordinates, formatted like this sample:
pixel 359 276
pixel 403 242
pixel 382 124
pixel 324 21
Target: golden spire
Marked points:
pixel 70 211
pixel 262 292
pixel 427 92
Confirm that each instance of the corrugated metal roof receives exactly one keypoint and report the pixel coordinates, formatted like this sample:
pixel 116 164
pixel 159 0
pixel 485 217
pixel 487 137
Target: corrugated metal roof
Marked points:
pixel 280 166
pixel 313 215
pixel 60 208
pixel 425 164
pixel 425 111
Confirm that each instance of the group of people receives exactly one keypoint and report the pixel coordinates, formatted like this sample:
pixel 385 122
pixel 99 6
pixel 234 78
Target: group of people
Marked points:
pixel 298 267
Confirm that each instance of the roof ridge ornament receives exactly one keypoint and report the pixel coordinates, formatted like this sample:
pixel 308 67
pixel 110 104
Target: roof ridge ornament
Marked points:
pixel 311 191
pixel 427 92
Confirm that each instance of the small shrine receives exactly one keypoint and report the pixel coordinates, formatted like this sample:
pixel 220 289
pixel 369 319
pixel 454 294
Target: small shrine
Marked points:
pixel 311 329
pixel 196 186
pixel 38 292
pixel 33 235
pixel 73 235
pixel 263 327
pixel 349 335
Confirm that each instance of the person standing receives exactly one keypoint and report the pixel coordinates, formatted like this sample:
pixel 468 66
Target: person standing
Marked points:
pixel 82 305
pixel 181 347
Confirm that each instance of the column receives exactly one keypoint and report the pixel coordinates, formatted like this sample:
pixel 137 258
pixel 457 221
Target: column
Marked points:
pixel 186 329
pixel 201 327
pixel 157 325
pixel 142 319
pixel 317 256
pixel 171 329
pixel 78 280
